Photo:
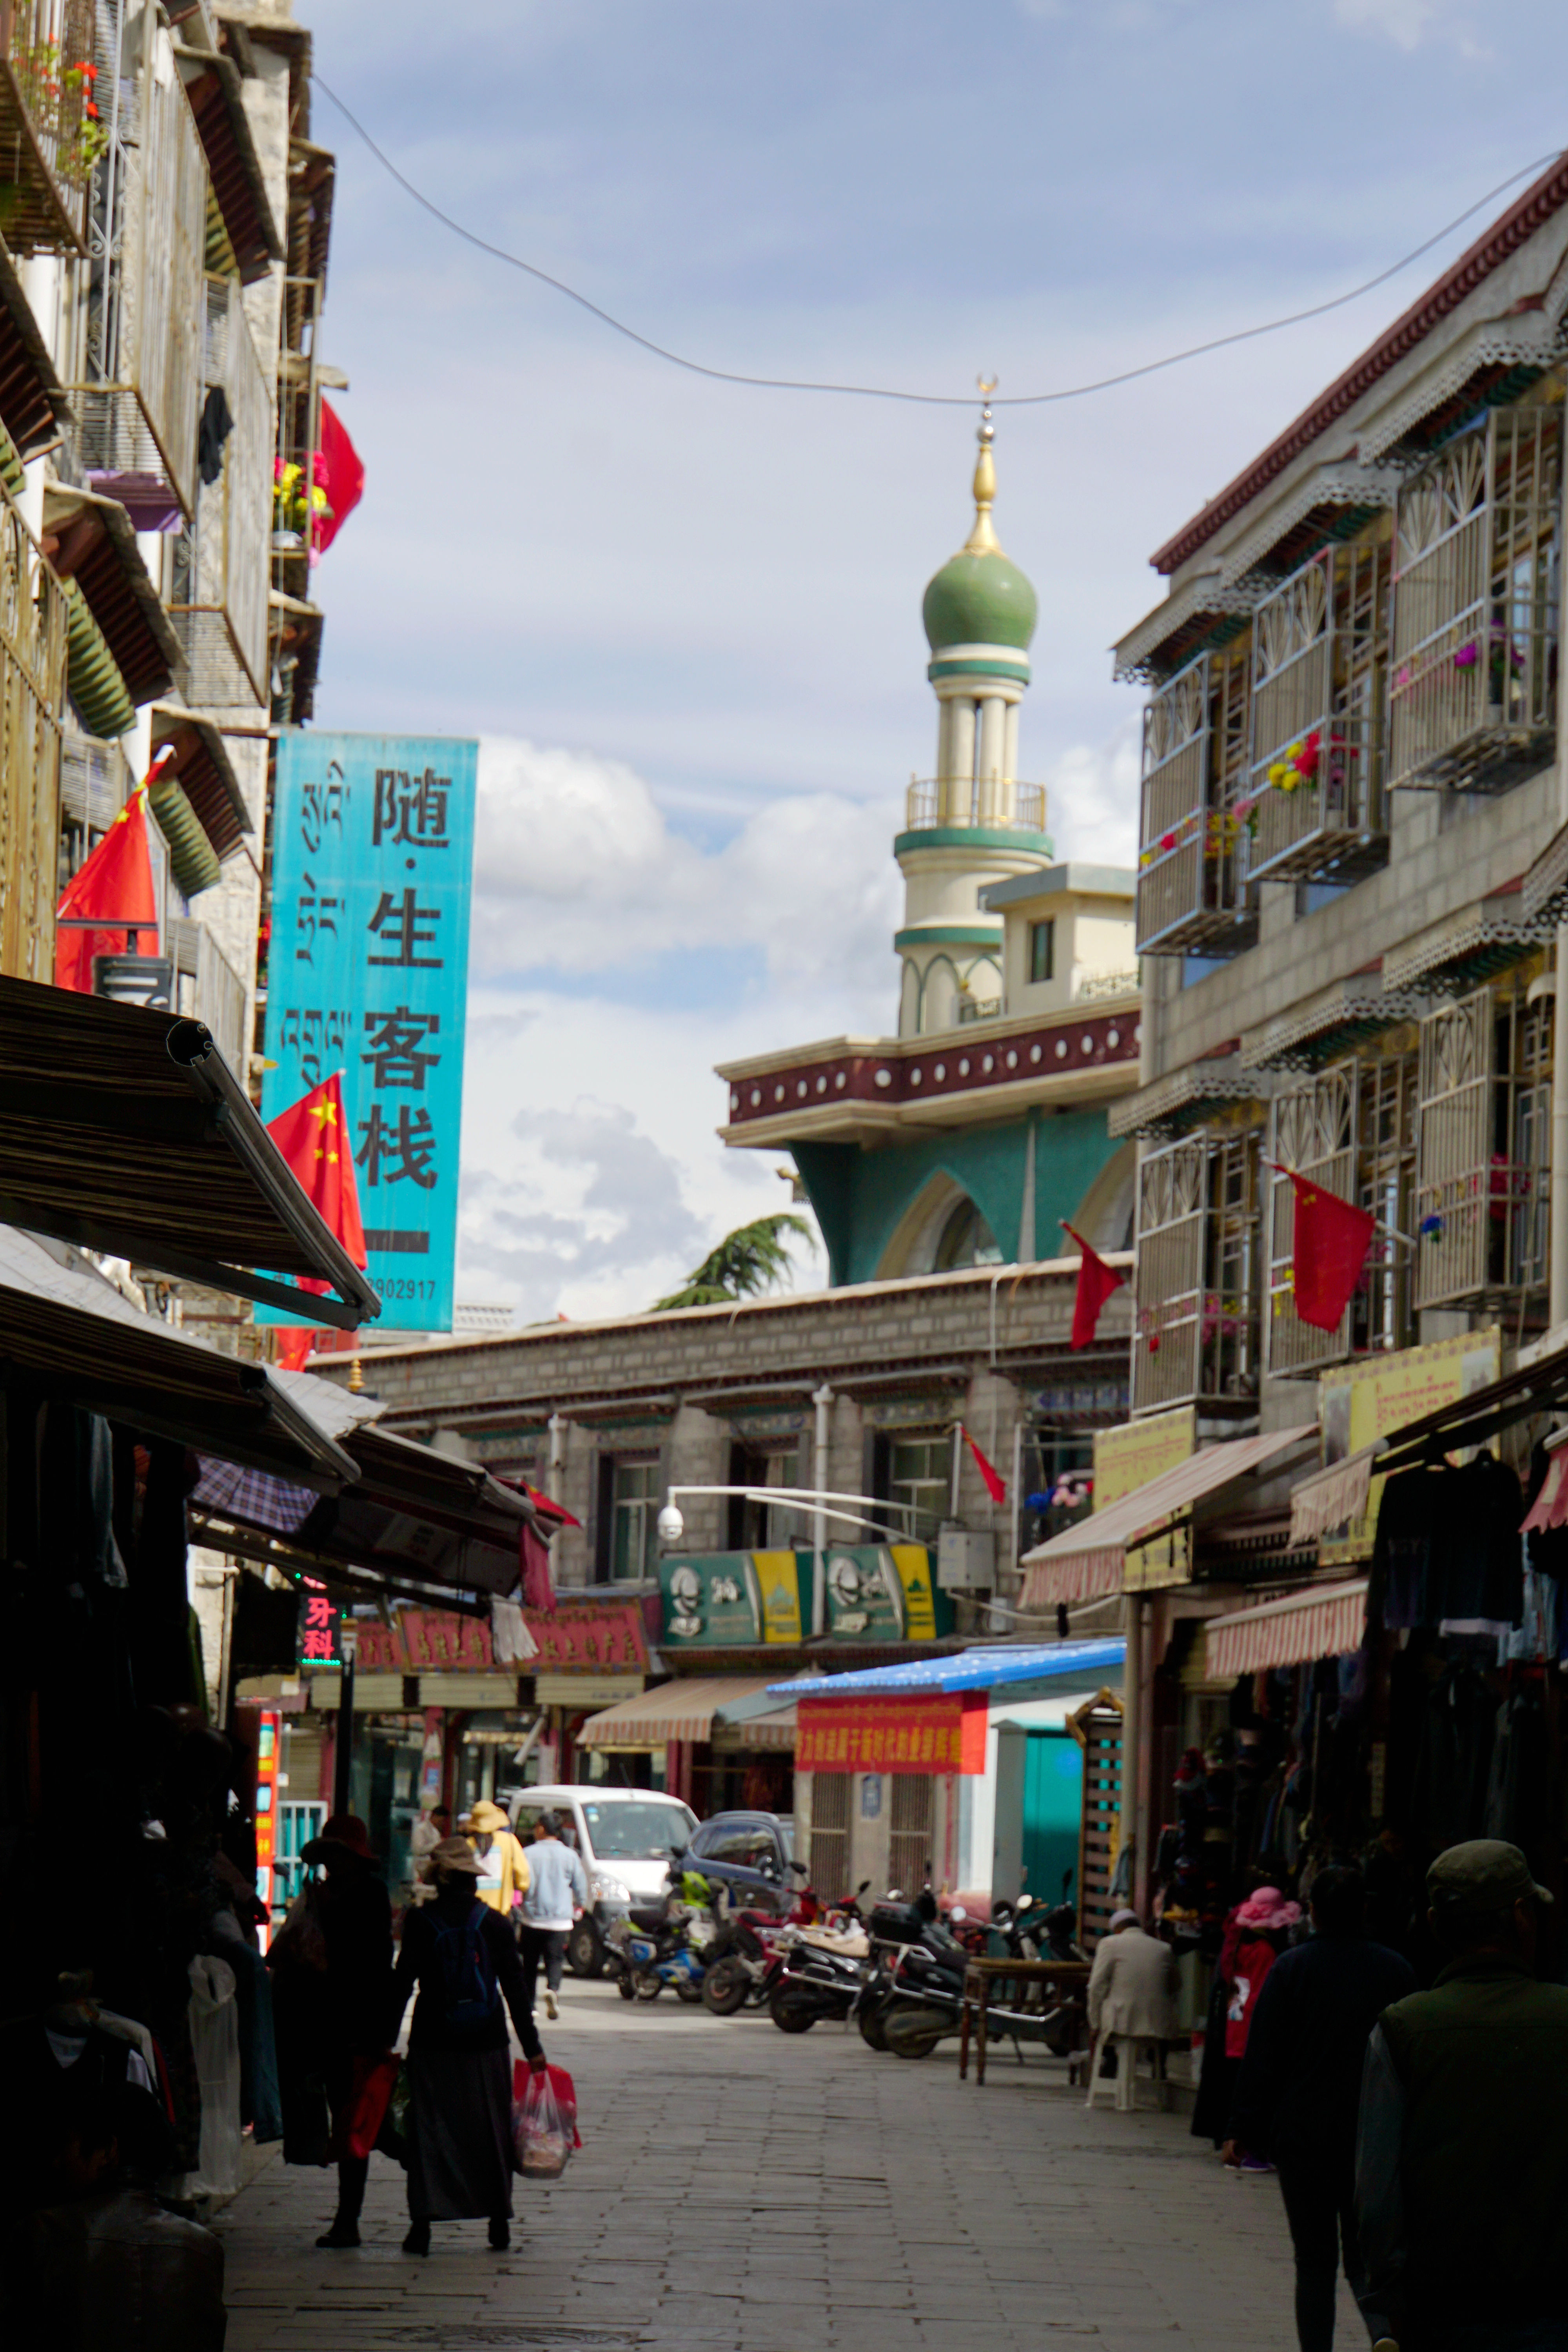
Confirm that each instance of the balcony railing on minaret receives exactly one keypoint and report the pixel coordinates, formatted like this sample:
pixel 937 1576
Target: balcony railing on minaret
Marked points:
pixel 996 803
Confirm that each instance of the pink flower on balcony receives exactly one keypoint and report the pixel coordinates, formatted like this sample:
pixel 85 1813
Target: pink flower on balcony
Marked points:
pixel 1167 841
pixel 1468 655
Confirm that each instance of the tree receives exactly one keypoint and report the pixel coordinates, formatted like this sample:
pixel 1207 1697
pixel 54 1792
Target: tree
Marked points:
pixel 753 1259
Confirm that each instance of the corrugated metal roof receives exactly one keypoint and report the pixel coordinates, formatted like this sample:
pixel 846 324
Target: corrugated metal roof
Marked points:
pixel 969 1670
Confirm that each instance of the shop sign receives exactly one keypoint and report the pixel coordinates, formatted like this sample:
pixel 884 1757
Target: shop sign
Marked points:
pixel 866 1592
pixel 585 1690
pixel 891 1735
pixel 715 1597
pixel 1126 1459
pixel 1358 1403
pixel 440 1642
pixel 320 1621
pixel 872 1592
pixel 373 864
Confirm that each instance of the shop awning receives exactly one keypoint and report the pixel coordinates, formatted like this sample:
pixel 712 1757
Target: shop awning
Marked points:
pixel 205 773
pixel 1087 1561
pixel 69 1333
pixel 408 1519
pixel 677 1710
pixel 126 1131
pixel 981 1668
pixel 92 541
pixel 775 1728
pixel 1321 1621
pixel 212 85
pixel 1331 1497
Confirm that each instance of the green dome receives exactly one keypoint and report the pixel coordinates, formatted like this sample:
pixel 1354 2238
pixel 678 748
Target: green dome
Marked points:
pixel 979 600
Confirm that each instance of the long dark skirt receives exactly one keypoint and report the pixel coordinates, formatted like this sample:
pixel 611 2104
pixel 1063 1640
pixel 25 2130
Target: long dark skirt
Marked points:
pixel 459 2134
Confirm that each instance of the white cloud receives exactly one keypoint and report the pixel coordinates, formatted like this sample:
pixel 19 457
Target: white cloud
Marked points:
pixel 1407 23
pixel 1092 799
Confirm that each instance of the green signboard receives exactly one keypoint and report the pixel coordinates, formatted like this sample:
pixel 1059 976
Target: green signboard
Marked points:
pixel 872 1592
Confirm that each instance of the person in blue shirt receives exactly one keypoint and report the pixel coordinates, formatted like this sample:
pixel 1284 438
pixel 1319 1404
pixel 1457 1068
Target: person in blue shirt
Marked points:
pixel 557 1892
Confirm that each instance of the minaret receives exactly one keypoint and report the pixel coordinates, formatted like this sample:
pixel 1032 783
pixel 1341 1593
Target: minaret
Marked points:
pixel 972 823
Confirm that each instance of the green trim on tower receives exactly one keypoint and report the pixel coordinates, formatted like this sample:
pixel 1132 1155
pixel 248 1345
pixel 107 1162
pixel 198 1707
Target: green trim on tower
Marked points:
pixel 949 935
pixel 975 837
pixel 945 666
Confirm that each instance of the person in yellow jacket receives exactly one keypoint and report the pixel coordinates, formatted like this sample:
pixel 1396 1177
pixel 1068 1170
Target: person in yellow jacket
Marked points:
pixel 503 1879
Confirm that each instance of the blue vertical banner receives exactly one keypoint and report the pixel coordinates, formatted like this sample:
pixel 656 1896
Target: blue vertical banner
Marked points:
pixel 373 854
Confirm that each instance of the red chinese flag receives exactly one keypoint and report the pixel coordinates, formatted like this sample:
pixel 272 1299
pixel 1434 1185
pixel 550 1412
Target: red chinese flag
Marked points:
pixel 1095 1281
pixel 1332 1238
pixel 313 1135
pixel 995 1485
pixel 339 470
pixel 114 886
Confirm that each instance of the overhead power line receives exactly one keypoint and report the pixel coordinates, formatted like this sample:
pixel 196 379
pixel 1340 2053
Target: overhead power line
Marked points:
pixel 889 391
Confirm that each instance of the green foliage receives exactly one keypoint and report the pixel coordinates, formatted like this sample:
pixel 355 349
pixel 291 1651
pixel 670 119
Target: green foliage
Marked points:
pixel 751 1259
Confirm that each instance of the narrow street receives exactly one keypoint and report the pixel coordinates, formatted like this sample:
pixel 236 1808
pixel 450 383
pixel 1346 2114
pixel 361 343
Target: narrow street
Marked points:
pixel 740 2188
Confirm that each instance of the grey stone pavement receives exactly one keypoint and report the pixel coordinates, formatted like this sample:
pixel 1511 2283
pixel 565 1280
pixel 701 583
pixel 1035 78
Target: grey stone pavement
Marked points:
pixel 741 2186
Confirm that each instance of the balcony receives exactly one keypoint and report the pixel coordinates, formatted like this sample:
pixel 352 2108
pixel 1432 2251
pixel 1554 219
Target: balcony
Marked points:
pixel 32 689
pixel 1193 852
pixel 1473 692
pixel 1483 1154
pixel 999 805
pixel 220 608
pixel 206 986
pixel 138 411
pixel 1314 801
pixel 49 142
pixel 1196 1335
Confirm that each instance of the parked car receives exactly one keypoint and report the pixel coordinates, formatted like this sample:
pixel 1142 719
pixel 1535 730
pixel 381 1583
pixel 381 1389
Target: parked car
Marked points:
pixel 625 1837
pixel 751 1854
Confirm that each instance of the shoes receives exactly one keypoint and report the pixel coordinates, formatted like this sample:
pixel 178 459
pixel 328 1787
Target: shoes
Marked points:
pixel 418 2242
pixel 342 2233
pixel 501 2232
pixel 1255 2163
pixel 550 2008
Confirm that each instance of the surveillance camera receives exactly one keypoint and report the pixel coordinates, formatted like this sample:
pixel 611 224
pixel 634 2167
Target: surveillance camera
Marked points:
pixel 671 1525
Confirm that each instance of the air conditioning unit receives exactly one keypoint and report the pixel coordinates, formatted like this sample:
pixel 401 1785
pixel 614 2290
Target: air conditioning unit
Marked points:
pixel 966 1560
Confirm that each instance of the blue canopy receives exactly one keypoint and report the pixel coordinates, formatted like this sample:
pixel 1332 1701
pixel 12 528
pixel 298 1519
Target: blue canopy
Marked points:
pixel 967 1669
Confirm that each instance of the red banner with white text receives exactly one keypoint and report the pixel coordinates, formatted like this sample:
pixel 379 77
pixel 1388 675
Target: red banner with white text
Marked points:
pixel 943 1734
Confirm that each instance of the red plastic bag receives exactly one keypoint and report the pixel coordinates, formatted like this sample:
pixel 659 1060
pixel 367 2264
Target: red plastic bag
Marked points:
pixel 374 2081
pixel 542 2142
pixel 565 2092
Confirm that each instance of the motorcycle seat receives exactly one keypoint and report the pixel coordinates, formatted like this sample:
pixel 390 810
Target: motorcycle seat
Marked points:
pixel 649 1917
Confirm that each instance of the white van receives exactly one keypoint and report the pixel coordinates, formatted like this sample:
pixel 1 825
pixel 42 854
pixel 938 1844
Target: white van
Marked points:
pixel 625 1837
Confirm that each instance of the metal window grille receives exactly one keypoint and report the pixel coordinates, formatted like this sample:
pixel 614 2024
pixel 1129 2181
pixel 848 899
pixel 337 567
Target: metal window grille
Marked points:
pixel 32 689
pixel 910 1817
pixel 221 614
pixel 1196 1283
pixel 45 140
pixel 206 986
pixel 1193 852
pixel 1319 651
pixel 830 1835
pixel 1481 1200
pixel 1473 684
pixel 1351 1129
pixel 1099 1728
pixel 1313 1131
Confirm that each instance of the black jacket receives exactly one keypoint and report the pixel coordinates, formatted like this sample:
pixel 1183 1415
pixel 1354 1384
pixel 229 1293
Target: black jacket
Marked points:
pixel 1300 2085
pixel 420 1962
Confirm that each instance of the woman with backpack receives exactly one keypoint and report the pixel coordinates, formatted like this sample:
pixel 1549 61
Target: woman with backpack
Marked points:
pixel 463 1956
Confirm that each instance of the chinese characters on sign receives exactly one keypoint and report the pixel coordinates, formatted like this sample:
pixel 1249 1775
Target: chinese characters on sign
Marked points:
pixel 432 1641
pixel 319 1618
pixel 913 1734
pixel 368 974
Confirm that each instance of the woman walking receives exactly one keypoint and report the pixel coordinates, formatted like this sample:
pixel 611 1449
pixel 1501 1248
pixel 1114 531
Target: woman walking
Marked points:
pixel 463 1956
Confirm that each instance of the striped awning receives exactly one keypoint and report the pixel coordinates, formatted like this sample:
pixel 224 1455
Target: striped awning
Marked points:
pixel 682 1710
pixel 1320 1622
pixel 1087 1561
pixel 1331 1497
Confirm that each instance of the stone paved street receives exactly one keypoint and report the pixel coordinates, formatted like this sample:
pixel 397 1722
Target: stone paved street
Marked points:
pixel 740 2188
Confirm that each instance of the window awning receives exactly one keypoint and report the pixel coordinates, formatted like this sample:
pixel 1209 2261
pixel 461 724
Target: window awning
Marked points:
pixel 33 403
pixel 203 769
pixel 1322 1620
pixel 126 1131
pixel 984 1667
pixel 408 1519
pixel 1087 1561
pixel 774 1727
pixel 1328 1497
pixel 67 1333
pixel 677 1710
pixel 212 85
pixel 92 541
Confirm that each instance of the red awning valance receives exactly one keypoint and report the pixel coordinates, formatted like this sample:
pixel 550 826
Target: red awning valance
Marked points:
pixel 1322 1620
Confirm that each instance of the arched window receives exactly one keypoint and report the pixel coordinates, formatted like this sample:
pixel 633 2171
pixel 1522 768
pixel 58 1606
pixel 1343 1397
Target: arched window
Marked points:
pixel 965 1240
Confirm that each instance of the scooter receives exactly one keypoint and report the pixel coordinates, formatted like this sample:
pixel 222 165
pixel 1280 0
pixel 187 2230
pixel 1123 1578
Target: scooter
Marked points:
pixel 736 1963
pixel 654 1945
pixel 914 1994
pixel 816 1972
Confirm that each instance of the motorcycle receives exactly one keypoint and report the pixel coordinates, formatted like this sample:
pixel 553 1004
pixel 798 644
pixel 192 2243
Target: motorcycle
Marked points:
pixel 914 1991
pixel 736 1962
pixel 818 1971
pixel 657 1945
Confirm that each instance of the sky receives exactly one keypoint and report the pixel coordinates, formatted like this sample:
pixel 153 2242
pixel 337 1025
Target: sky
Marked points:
pixel 683 617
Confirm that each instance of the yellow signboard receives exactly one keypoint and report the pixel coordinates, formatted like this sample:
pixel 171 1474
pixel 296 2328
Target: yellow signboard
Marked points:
pixel 1126 1459
pixel 913 1564
pixel 778 1573
pixel 1358 1403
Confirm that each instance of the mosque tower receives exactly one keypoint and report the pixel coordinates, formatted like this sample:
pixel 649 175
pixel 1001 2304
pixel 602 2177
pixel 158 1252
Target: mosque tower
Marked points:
pixel 972 823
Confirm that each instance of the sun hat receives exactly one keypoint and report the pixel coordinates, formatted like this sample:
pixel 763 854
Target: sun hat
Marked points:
pixel 1266 1909
pixel 455 1853
pixel 341 1833
pixel 1482 1874
pixel 484 1816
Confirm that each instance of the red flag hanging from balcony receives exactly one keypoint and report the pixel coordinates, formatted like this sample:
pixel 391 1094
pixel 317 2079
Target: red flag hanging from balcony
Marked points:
pixel 313 1135
pixel 1095 1281
pixel 1332 1238
pixel 995 1485
pixel 339 469
pixel 114 886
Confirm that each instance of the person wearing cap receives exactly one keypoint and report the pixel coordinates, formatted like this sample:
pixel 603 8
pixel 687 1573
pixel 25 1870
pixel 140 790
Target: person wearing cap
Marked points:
pixel 1462 2145
pixel 1132 1995
pixel 1300 2085
pixel 461 1955
pixel 503 1880
pixel 328 2015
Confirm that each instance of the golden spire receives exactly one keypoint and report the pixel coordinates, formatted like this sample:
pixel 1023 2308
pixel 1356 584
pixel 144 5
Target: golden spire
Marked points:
pixel 982 539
